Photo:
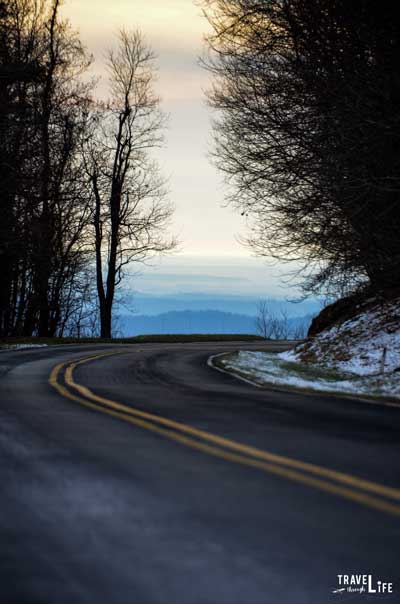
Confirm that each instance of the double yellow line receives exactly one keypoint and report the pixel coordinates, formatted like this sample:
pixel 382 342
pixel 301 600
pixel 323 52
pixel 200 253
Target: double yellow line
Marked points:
pixel 371 494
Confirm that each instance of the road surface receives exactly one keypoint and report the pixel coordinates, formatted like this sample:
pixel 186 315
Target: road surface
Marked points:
pixel 143 476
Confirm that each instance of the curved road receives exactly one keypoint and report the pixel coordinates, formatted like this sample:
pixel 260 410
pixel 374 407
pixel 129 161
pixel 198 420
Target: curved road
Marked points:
pixel 143 476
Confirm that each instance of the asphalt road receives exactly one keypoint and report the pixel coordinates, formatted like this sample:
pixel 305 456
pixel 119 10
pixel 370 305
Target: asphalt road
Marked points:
pixel 147 477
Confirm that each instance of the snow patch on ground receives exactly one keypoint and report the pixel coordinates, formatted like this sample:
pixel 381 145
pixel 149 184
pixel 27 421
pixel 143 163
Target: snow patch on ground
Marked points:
pixel 358 356
pixel 368 344
pixel 21 346
pixel 269 368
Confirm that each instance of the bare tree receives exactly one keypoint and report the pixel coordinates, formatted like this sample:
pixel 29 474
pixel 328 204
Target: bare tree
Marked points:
pixel 282 330
pixel 130 211
pixel 300 331
pixel 270 324
pixel 43 205
pixel 307 123
pixel 265 321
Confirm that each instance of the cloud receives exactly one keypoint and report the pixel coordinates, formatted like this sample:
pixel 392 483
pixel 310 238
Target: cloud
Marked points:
pixel 214 275
pixel 173 28
pixel 189 277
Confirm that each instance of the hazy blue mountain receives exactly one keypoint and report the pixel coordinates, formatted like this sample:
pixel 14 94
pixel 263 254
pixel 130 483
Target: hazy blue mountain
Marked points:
pixel 189 321
pixel 146 304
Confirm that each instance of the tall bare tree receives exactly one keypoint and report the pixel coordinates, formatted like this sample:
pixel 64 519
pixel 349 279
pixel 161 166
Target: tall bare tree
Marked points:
pixel 44 207
pixel 61 103
pixel 130 211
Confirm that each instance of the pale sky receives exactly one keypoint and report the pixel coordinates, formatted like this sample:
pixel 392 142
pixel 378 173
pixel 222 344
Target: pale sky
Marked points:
pixel 175 30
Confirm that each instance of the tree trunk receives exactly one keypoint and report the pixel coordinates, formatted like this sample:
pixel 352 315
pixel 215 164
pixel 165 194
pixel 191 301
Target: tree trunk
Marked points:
pixel 106 319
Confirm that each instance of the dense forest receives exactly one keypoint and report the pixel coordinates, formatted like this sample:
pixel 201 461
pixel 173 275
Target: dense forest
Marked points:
pixel 80 196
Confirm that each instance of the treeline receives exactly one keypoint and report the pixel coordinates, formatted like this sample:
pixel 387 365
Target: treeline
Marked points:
pixel 80 196
pixel 308 133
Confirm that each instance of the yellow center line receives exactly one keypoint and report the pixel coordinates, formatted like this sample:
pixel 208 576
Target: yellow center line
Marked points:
pixel 237 452
pixel 248 450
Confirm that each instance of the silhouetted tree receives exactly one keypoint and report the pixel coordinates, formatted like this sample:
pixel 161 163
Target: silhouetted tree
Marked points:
pixel 19 71
pixel 270 324
pixel 130 213
pixel 307 132
pixel 61 216
pixel 44 201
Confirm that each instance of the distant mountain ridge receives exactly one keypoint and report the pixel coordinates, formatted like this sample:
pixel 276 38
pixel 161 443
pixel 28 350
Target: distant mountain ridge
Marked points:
pixel 197 321
pixel 150 304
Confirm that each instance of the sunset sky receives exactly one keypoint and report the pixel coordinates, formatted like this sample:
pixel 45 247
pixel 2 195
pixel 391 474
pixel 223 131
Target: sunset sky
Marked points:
pixel 207 230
